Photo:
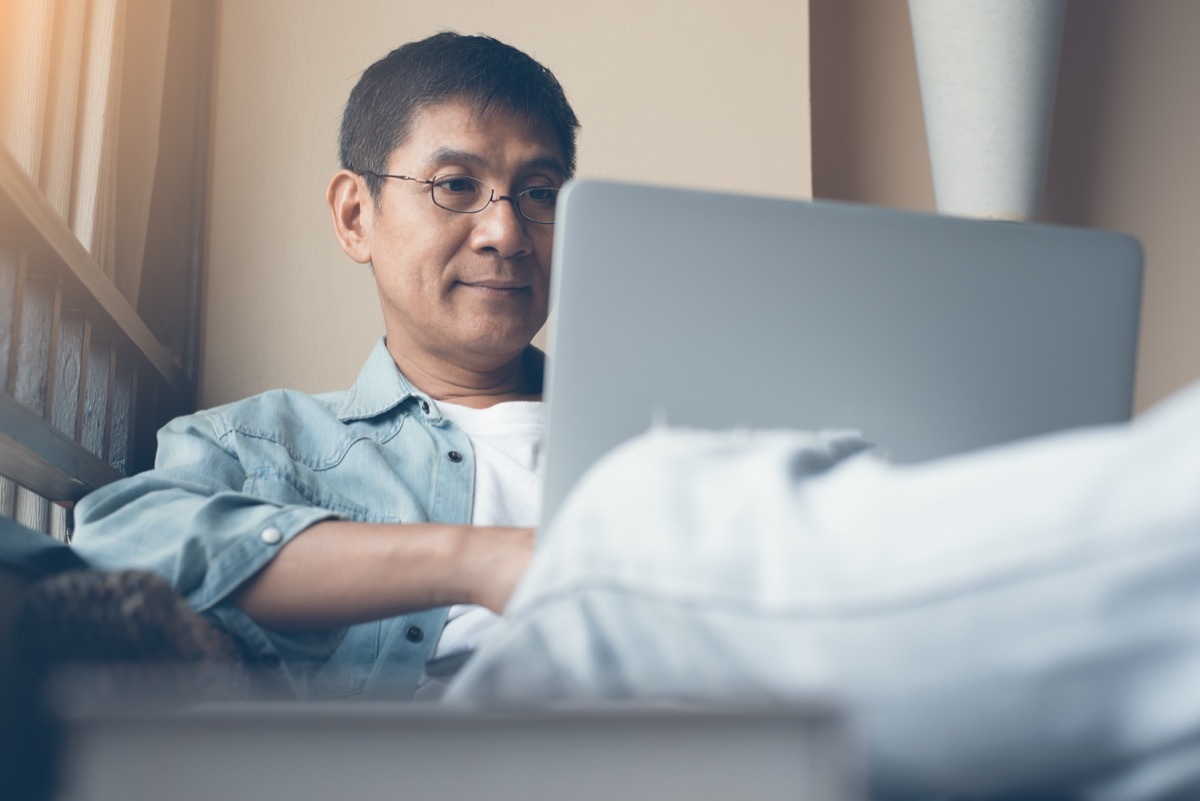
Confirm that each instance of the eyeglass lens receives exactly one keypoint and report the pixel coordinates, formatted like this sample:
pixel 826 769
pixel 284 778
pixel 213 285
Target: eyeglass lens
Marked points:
pixel 467 195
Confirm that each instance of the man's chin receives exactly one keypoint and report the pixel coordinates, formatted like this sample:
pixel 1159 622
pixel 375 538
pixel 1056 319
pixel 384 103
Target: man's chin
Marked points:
pixel 500 346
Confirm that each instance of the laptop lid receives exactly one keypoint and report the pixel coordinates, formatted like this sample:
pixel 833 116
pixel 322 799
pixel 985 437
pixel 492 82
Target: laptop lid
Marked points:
pixel 930 334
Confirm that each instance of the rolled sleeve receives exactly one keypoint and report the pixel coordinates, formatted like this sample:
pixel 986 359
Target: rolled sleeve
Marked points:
pixel 188 521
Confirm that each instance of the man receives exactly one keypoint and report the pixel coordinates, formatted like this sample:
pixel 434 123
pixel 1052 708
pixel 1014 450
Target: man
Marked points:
pixel 362 541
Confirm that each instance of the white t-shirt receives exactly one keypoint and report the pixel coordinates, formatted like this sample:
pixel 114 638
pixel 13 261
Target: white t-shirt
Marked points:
pixel 507 441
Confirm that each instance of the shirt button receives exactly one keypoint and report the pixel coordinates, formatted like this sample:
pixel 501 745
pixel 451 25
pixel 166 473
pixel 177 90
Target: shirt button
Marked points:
pixel 454 456
pixel 414 634
pixel 425 406
pixel 271 536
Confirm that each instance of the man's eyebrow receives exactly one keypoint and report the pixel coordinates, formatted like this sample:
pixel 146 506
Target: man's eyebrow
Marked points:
pixel 450 155
pixel 547 163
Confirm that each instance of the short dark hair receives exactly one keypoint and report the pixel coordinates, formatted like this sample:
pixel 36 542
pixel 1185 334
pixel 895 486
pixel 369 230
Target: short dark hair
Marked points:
pixel 447 66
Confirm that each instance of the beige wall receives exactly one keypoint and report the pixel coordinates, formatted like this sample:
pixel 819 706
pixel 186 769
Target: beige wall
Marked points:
pixel 1123 155
pixel 701 93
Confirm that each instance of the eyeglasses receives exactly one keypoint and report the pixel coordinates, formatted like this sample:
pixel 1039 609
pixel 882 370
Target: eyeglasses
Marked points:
pixel 463 194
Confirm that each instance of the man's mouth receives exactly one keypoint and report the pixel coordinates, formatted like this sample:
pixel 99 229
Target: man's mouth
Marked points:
pixel 497 288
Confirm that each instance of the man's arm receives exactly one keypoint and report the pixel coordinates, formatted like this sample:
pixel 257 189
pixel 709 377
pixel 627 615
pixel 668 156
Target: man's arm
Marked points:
pixel 338 573
pixel 191 521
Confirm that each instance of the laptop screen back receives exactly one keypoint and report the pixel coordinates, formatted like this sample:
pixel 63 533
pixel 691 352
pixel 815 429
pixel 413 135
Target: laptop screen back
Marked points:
pixel 932 335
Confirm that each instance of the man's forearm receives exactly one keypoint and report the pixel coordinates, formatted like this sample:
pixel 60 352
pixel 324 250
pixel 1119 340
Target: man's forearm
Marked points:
pixel 338 573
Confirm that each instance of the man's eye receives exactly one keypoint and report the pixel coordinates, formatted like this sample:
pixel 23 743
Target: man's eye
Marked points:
pixel 456 185
pixel 540 194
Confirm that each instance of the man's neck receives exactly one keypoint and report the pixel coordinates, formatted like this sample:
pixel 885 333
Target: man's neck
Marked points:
pixel 475 387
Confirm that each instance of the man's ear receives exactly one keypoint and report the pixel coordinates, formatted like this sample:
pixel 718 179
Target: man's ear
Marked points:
pixel 352 207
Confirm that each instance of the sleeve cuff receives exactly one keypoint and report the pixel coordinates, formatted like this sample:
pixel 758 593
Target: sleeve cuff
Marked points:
pixel 262 536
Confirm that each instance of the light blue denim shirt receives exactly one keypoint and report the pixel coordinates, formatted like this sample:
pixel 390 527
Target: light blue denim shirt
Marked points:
pixel 232 485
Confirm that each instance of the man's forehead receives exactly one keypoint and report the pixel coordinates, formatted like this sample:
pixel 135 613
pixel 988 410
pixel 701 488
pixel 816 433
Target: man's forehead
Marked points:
pixel 458 132
pixel 452 155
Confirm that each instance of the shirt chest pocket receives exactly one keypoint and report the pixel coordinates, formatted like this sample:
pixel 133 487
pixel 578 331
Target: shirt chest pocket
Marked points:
pixel 369 476
pixel 382 499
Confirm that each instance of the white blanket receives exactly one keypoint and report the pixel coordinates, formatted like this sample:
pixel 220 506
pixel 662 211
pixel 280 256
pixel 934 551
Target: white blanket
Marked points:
pixel 1020 619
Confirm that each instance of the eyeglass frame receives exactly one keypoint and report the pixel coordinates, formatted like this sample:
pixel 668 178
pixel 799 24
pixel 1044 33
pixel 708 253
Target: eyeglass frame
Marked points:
pixel 493 197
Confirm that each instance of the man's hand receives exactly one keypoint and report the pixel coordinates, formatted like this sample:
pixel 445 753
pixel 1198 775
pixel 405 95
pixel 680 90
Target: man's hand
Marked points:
pixel 338 573
pixel 493 563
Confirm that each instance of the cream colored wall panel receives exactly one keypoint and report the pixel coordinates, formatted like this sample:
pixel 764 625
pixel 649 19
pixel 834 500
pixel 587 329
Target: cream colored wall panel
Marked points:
pixel 705 94
pixel 96 130
pixel 26 31
pixel 143 77
pixel 58 156
pixel 1146 178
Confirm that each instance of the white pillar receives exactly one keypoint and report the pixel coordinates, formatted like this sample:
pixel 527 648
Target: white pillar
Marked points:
pixel 987 70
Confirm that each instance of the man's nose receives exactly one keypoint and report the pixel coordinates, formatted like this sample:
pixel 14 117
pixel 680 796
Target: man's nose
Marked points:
pixel 502 229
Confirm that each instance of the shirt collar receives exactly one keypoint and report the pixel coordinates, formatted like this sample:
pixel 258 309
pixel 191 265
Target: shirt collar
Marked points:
pixel 381 386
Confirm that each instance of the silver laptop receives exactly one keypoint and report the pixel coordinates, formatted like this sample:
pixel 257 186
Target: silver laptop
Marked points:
pixel 932 335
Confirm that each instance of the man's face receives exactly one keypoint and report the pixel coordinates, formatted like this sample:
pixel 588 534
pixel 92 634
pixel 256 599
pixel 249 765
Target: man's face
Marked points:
pixel 470 290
